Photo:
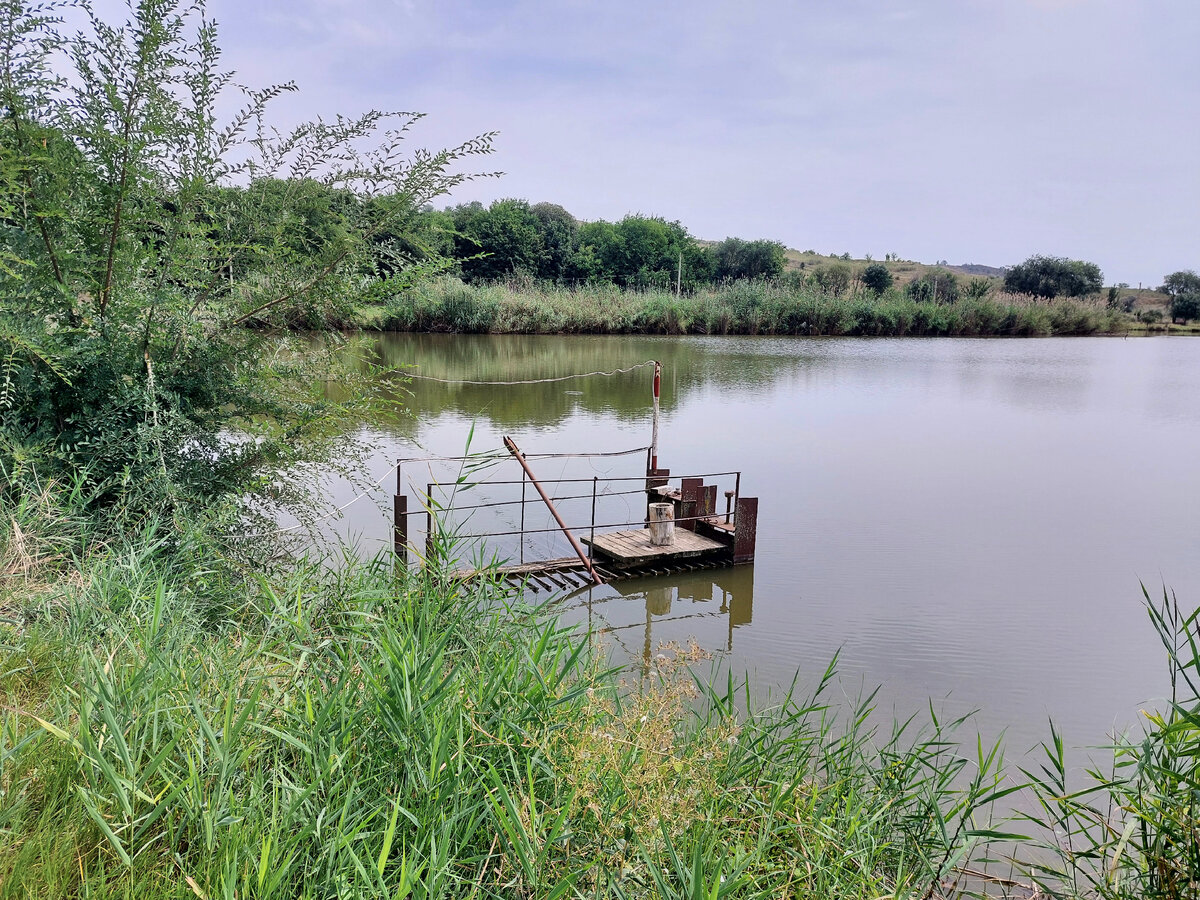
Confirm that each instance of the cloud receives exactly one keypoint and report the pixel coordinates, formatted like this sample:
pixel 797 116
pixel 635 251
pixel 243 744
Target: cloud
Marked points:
pixel 960 130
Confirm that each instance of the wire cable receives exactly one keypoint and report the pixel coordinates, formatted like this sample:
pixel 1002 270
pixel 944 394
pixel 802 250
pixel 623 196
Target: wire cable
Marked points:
pixel 642 365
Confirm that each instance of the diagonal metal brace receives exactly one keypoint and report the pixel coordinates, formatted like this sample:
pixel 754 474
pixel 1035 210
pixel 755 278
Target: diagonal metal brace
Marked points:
pixel 583 557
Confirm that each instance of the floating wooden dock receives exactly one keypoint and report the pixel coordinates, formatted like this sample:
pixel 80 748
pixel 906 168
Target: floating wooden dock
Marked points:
pixel 632 548
pixel 704 538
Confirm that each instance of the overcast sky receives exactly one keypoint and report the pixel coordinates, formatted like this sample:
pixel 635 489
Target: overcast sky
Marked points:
pixel 967 130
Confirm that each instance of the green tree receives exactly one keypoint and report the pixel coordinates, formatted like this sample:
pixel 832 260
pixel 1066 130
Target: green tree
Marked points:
pixel 598 255
pixel 558 229
pixel 638 251
pixel 1185 307
pixel 935 286
pixel 735 258
pixel 834 278
pixel 877 277
pixel 132 263
pixel 503 239
pixel 978 288
pixel 650 251
pixel 1182 282
pixel 1052 276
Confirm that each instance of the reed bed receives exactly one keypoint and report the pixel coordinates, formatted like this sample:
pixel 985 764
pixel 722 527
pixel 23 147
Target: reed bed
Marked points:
pixel 172 725
pixel 781 307
pixel 174 728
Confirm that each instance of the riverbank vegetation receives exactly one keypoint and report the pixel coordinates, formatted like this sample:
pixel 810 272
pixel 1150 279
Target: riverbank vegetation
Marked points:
pixel 174 727
pixel 177 724
pixel 781 306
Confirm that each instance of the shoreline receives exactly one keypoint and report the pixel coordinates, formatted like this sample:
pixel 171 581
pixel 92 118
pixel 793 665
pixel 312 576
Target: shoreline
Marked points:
pixel 448 305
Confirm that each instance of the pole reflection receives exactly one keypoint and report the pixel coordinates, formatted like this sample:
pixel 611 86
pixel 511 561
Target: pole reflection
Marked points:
pixel 706 606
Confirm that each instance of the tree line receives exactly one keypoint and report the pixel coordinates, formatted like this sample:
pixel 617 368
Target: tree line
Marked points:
pixel 510 237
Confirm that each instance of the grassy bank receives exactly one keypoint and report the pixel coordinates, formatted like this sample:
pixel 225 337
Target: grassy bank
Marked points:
pixel 749 307
pixel 174 726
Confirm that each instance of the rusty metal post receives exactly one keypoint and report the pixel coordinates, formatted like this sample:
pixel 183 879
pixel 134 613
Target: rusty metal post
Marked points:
pixel 595 481
pixel 745 532
pixel 728 505
pixel 578 548
pixel 689 501
pixel 400 518
pixel 654 430
pixel 521 537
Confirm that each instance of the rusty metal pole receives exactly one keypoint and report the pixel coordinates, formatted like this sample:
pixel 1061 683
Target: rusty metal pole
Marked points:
pixel 595 481
pixel 654 429
pixel 521 538
pixel 578 548
pixel 400 518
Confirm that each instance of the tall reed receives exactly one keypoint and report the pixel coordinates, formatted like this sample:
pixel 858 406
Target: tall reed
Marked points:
pixel 176 729
pixel 1133 830
pixel 743 307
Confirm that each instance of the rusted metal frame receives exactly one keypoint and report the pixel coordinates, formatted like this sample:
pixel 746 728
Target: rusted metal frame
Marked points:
pixel 622 478
pixel 555 499
pixel 400 518
pixel 484 534
pixel 575 545
pixel 689 496
pixel 745 534
pixel 595 481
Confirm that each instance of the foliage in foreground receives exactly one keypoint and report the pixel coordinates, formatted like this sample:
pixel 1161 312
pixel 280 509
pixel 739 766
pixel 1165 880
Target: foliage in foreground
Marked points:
pixel 129 265
pixel 1132 831
pixel 173 728
pixel 747 307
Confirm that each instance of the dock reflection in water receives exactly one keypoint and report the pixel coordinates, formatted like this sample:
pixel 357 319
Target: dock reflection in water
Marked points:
pixel 705 606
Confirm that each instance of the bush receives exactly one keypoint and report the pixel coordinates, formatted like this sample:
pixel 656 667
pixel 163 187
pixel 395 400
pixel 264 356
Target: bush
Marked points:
pixel 877 277
pixel 833 279
pixel 937 286
pixel 141 242
pixel 1185 307
pixel 1052 276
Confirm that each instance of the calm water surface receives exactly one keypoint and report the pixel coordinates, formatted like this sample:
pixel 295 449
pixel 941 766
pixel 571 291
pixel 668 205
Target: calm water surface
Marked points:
pixel 965 520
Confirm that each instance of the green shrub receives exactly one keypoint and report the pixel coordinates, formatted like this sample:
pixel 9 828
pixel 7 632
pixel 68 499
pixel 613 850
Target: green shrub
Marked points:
pixel 1185 307
pixel 877 277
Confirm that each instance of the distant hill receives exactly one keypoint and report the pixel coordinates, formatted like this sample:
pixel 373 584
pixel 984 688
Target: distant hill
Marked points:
pixel 977 269
pixel 903 270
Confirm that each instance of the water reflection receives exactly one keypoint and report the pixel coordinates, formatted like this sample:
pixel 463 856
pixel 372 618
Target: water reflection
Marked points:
pixel 640 615
pixel 960 517
pixel 750 368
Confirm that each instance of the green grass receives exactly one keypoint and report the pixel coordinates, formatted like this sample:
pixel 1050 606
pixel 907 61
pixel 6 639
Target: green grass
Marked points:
pixel 781 307
pixel 172 725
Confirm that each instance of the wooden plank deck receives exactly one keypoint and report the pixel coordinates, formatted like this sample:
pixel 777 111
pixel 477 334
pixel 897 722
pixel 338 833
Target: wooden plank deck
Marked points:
pixel 634 547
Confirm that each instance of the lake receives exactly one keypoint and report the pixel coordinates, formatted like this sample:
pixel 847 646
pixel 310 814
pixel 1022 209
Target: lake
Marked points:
pixel 964 520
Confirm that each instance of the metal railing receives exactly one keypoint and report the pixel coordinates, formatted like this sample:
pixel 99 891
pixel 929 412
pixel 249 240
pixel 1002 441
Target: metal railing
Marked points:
pixel 694 507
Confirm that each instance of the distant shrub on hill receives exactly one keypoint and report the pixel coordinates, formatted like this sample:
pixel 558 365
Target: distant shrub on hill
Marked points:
pixel 877 277
pixel 1052 276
